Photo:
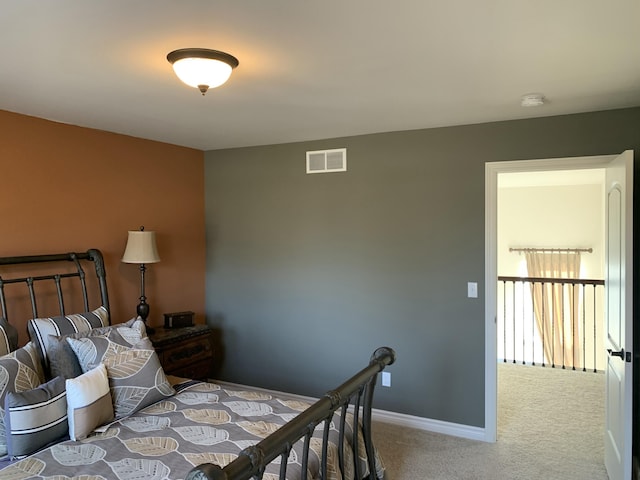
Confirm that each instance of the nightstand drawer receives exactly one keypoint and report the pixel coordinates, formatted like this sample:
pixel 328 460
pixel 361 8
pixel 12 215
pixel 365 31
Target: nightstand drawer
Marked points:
pixel 194 350
pixel 199 371
pixel 185 352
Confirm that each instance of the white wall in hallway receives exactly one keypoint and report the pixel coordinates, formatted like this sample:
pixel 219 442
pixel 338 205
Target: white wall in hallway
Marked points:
pixel 553 216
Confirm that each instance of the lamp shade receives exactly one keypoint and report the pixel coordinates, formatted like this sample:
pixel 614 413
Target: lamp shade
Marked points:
pixel 202 68
pixel 141 247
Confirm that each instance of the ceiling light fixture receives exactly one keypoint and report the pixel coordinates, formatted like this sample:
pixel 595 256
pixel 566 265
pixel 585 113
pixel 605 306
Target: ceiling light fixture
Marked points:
pixel 202 68
pixel 532 100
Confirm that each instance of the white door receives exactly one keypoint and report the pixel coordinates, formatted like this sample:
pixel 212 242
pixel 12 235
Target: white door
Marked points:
pixel 618 327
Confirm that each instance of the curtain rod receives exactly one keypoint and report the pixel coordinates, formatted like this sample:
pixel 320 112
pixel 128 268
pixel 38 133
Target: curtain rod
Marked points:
pixel 588 250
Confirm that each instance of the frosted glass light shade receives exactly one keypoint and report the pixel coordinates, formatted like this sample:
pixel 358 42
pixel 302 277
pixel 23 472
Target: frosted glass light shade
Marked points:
pixel 202 71
pixel 141 247
pixel 202 68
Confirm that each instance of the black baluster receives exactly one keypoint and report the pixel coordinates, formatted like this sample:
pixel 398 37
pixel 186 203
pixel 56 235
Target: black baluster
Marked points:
pixel 553 326
pixel 584 328
pixel 542 289
pixel 513 307
pixel 594 331
pixel 533 324
pixel 523 335
pixel 562 330
pixel 504 322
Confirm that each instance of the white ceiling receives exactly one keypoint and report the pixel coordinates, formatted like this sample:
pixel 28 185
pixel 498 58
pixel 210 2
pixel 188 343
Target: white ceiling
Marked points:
pixel 314 69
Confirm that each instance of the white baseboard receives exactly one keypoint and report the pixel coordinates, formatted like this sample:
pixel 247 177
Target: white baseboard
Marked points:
pixel 429 425
pixel 400 419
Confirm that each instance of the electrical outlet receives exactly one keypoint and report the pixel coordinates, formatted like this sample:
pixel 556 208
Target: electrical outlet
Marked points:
pixel 386 379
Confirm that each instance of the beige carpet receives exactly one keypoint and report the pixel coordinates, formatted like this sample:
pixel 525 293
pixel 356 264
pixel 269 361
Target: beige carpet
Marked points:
pixel 550 426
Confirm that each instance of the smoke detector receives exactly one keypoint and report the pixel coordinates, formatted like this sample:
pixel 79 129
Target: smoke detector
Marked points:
pixel 532 100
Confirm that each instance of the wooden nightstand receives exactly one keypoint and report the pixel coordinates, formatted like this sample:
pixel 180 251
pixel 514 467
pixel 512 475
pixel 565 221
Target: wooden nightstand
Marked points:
pixel 185 352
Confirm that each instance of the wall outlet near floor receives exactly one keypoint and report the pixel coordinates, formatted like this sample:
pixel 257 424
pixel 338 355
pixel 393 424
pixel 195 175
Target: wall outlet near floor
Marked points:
pixel 386 379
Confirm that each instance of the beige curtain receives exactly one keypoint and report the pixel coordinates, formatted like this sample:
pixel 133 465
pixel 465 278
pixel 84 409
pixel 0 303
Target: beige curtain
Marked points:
pixel 556 306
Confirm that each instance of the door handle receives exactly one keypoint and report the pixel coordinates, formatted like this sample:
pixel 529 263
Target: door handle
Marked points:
pixel 616 354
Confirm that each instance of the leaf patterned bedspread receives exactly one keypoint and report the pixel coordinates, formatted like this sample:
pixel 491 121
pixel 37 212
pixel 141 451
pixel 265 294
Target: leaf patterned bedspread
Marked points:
pixel 202 423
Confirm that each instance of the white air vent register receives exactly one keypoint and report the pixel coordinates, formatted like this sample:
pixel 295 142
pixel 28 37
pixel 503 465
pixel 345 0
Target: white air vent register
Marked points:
pixel 325 161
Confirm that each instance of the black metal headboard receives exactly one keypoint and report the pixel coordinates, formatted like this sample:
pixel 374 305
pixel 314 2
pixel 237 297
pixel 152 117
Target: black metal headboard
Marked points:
pixel 92 255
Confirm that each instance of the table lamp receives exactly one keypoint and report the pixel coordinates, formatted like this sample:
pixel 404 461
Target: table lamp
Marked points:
pixel 141 249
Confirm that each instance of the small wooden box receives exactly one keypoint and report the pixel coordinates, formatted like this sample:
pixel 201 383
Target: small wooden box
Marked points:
pixel 178 319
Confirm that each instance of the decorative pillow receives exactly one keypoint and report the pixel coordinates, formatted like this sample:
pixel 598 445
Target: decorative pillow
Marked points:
pixel 63 361
pixel 20 370
pixel 40 328
pixel 135 375
pixel 8 337
pixel 36 418
pixel 88 402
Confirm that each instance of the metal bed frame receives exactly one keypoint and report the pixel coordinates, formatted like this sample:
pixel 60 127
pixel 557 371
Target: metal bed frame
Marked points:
pixel 358 390
pixel 92 255
pixel 355 395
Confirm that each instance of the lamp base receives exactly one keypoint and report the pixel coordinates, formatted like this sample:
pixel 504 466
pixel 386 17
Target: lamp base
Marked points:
pixel 143 309
pixel 143 312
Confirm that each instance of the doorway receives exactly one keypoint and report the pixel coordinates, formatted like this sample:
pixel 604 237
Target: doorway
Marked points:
pixel 618 292
pixel 492 172
pixel 551 224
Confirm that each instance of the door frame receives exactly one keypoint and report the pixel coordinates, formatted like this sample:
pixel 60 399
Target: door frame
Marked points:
pixel 492 170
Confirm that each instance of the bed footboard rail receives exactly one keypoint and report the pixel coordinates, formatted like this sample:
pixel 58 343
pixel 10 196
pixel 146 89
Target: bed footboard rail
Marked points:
pixel 355 394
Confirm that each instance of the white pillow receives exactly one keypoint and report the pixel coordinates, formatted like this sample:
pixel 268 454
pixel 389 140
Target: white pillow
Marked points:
pixel 89 402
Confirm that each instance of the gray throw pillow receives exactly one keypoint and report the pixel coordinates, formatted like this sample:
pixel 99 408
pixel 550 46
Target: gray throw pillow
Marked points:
pixel 62 359
pixel 136 378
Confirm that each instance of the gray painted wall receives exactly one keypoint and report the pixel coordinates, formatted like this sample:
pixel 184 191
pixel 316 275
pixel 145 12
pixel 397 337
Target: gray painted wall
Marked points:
pixel 308 274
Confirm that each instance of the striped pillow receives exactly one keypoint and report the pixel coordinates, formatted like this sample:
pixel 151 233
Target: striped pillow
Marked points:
pixel 36 418
pixel 19 371
pixel 40 328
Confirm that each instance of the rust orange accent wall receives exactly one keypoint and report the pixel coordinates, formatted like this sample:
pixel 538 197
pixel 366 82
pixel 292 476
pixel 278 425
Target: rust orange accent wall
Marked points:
pixel 67 188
